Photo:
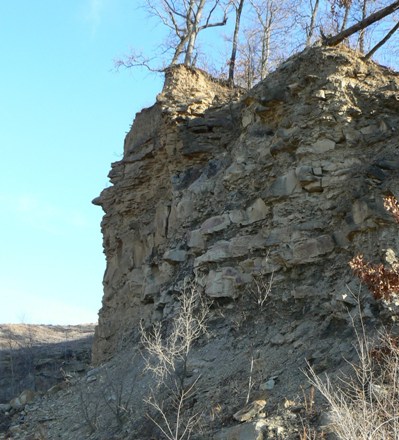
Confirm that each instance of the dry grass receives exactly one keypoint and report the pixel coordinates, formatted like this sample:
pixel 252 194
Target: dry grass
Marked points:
pixel 42 334
pixel 364 405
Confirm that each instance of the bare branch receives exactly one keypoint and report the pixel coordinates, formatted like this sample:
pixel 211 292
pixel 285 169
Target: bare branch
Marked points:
pixel 136 60
pixel 373 18
pixel 382 42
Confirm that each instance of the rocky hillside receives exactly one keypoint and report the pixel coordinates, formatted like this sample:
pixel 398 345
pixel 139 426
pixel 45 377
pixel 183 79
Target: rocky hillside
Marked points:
pixel 286 180
pixel 38 356
pixel 37 359
pixel 264 196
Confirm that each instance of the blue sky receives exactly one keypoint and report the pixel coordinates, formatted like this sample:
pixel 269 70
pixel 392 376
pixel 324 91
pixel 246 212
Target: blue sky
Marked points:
pixel 64 113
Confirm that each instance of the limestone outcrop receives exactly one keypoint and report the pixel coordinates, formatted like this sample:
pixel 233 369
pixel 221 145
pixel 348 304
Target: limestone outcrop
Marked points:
pixel 286 179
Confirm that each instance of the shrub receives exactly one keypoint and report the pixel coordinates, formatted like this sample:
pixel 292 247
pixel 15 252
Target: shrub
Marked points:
pixel 364 404
pixel 382 281
pixel 167 360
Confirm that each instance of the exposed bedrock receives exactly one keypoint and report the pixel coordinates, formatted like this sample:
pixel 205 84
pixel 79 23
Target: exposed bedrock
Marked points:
pixel 287 178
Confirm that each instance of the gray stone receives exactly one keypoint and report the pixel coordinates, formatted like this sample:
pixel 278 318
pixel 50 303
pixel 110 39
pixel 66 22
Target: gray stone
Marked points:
pixel 314 187
pixel 89 379
pixel 326 420
pixel 175 255
pixel 246 431
pixel 305 174
pixel 312 248
pixel 222 283
pixel 234 172
pixel 185 208
pixel 242 245
pixel 369 130
pixel 237 216
pixel 323 145
pixel 269 385
pixel 196 239
pixel 136 277
pixel 236 247
pixel 284 185
pixel 278 339
pixel 25 397
pixel 308 179
pixel 247 119
pixel 360 212
pixel 257 211
pixel 218 252
pixel 317 171
pixel 5 407
pixel 352 136
pixel 215 224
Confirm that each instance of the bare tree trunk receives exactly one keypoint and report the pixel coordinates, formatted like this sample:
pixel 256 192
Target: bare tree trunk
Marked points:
pixel 265 50
pixel 383 41
pixel 235 41
pixel 192 20
pixel 346 16
pixel 265 12
pixel 178 51
pixel 336 39
pixel 363 31
pixel 312 24
pixel 190 48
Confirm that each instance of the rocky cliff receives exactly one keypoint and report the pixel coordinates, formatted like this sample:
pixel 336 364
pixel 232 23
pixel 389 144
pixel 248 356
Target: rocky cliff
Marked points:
pixel 286 179
pixel 265 195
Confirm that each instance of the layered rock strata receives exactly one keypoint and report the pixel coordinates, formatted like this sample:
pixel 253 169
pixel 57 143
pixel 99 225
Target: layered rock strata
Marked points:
pixel 286 179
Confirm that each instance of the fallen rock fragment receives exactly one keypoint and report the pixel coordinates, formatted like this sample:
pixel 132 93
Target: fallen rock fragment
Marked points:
pixel 250 411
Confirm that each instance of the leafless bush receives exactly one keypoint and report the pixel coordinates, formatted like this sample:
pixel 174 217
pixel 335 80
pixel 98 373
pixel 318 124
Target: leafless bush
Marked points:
pixel 117 391
pixel 167 358
pixel 261 287
pixel 89 407
pixel 111 388
pixel 365 404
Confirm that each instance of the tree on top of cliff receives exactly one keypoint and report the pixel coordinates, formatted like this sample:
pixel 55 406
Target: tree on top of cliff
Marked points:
pixel 262 33
pixel 185 19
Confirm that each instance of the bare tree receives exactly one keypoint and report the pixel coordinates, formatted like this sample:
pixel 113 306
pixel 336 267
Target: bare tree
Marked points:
pixel 246 64
pixel 346 4
pixel 266 11
pixel 238 7
pixel 338 15
pixel 184 19
pixel 267 35
pixel 263 42
pixel 310 29
pixel 362 32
